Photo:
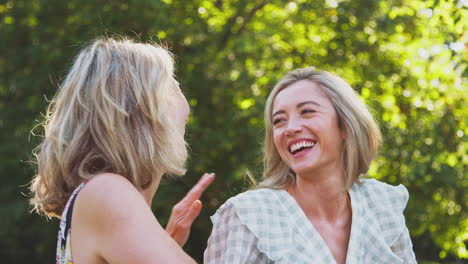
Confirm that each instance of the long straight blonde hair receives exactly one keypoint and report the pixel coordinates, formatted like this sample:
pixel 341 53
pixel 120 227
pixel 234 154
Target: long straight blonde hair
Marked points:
pixel 109 115
pixel 362 135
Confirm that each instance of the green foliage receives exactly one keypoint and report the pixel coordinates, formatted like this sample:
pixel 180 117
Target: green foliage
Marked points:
pixel 406 58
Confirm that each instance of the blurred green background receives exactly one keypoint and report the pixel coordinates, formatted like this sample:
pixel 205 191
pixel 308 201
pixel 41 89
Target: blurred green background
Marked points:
pixel 406 58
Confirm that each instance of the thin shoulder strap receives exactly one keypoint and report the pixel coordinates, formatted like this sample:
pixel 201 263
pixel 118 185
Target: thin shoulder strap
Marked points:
pixel 69 212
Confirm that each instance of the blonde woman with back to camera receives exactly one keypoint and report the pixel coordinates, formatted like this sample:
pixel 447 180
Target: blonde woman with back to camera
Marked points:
pixel 312 205
pixel 114 128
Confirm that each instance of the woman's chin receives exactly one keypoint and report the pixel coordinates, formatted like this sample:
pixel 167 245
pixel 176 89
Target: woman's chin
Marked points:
pixel 303 170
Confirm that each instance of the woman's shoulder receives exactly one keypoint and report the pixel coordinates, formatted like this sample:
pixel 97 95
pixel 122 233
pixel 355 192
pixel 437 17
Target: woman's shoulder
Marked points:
pixel 261 194
pixel 254 199
pixel 382 208
pixel 254 204
pixel 109 182
pixel 264 217
pixel 116 223
pixel 382 195
pixel 107 197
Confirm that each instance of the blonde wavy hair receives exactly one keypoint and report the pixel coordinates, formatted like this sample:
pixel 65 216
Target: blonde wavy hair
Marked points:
pixel 109 115
pixel 363 137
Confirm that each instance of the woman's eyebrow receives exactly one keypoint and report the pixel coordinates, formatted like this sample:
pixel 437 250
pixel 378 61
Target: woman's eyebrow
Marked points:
pixel 299 105
pixel 307 102
pixel 278 112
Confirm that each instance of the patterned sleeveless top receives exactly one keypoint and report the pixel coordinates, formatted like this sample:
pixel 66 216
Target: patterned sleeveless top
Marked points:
pixel 63 241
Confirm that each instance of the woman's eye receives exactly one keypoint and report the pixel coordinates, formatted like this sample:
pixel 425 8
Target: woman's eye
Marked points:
pixel 307 111
pixel 276 121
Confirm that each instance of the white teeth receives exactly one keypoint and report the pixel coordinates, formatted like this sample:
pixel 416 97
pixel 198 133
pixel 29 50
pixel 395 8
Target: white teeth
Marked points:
pixel 301 144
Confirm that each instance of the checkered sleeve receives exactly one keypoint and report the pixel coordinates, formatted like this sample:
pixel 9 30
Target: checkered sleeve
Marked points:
pixel 403 247
pixel 387 204
pixel 231 241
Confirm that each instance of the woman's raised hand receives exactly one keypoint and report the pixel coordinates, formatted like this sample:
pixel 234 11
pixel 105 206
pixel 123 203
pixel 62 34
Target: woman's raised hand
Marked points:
pixel 186 211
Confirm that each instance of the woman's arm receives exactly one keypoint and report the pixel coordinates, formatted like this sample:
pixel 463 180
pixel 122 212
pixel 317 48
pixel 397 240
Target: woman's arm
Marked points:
pixel 122 226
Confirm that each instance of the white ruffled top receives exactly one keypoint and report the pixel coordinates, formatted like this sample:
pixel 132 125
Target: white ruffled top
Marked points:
pixel 268 226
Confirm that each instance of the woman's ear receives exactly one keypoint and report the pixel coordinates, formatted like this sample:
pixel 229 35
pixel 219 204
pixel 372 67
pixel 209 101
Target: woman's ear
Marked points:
pixel 342 127
pixel 343 133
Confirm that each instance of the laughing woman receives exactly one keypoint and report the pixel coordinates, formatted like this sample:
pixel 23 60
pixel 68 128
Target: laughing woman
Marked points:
pixel 115 127
pixel 313 205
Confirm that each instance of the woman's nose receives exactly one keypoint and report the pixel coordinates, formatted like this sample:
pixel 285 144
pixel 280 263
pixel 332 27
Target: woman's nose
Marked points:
pixel 293 128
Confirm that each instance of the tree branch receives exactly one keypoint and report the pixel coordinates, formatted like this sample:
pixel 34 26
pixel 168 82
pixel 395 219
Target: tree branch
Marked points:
pixel 228 33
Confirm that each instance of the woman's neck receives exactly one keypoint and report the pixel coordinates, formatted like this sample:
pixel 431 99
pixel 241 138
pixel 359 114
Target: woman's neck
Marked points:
pixel 150 191
pixel 322 197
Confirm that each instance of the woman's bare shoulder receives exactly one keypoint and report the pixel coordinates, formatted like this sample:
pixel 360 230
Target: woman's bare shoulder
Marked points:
pixel 124 228
pixel 109 198
pixel 108 182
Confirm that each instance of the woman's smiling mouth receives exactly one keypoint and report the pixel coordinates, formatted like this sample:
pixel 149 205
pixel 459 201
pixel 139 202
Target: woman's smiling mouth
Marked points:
pixel 298 145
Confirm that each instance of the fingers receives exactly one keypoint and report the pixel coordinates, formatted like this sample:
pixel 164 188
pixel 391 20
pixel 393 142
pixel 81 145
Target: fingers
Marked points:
pixel 193 212
pixel 195 193
pixel 182 230
pixel 187 210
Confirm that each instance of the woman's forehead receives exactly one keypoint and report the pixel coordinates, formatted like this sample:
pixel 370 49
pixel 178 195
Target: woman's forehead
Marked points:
pixel 298 92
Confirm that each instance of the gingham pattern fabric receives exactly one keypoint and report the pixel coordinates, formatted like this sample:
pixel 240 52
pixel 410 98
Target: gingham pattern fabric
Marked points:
pixel 268 226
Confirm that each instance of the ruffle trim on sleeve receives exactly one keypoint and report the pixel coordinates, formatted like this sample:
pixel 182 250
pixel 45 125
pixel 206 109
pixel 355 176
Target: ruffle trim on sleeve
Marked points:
pixel 264 217
pixel 386 203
